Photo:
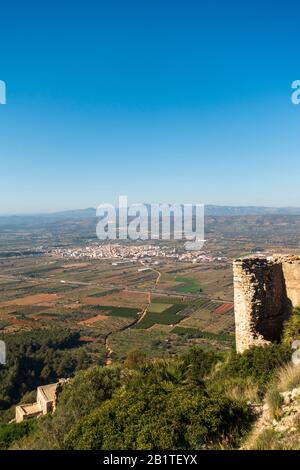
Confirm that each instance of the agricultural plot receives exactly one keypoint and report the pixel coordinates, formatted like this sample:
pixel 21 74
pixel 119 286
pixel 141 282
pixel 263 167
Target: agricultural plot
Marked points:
pixel 97 299
pixel 118 299
pixel 106 324
pixel 20 289
pixel 224 308
pixel 118 311
pixel 205 318
pixel 196 333
pixel 215 281
pixel 187 285
pixel 169 316
pixel 158 308
pixel 33 299
pixel 98 293
pixel 162 340
pixel 168 299
pixel 151 342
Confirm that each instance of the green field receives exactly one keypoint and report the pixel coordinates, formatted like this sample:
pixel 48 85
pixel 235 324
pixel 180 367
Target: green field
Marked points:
pixel 159 308
pixel 168 317
pixel 189 285
pixel 117 311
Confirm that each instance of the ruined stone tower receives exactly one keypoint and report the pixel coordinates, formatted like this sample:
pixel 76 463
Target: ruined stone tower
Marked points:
pixel 265 291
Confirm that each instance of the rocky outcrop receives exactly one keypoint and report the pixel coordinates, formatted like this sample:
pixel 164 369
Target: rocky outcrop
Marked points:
pixel 283 431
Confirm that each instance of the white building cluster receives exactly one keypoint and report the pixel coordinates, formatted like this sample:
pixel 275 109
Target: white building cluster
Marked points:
pixel 132 253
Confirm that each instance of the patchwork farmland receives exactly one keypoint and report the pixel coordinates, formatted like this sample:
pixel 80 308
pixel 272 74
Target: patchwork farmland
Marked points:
pixel 118 307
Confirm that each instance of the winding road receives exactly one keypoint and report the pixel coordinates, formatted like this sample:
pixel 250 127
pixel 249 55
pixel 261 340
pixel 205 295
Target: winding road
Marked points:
pixel 109 350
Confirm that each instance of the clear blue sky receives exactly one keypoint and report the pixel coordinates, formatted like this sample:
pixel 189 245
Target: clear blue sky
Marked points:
pixel 163 101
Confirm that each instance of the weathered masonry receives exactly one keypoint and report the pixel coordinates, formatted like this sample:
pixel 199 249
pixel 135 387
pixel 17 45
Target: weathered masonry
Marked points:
pixel 46 402
pixel 265 291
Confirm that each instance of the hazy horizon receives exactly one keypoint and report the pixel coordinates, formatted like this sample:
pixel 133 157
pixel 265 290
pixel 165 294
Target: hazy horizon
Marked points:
pixel 79 209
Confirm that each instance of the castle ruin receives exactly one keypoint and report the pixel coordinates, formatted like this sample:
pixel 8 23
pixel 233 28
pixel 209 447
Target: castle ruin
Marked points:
pixel 265 292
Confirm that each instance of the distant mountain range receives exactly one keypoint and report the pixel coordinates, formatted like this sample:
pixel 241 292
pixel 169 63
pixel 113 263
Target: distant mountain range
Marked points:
pixel 250 210
pixel 210 210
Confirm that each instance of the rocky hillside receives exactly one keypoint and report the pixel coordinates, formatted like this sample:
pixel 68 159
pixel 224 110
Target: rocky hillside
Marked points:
pixel 278 423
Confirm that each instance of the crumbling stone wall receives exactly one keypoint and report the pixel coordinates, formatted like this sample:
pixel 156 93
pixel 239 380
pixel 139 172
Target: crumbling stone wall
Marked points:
pixel 265 291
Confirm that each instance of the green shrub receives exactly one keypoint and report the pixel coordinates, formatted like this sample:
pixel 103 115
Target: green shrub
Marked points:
pixel 190 368
pixel 36 358
pixel 12 432
pixel 257 363
pixel 135 359
pixel 198 363
pixel 158 404
pixel 156 419
pixel 291 330
pixel 254 368
pixel 84 393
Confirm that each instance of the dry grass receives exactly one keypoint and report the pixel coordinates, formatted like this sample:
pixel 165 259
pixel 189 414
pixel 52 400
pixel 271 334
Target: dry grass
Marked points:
pixel 242 389
pixel 288 377
pixel 268 439
pixel 275 401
